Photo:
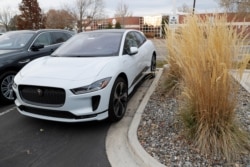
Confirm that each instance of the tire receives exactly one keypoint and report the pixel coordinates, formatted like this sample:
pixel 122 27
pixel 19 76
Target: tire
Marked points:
pixel 6 92
pixel 118 100
pixel 153 65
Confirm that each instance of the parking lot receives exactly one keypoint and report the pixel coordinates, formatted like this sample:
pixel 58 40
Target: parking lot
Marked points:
pixel 161 49
pixel 32 142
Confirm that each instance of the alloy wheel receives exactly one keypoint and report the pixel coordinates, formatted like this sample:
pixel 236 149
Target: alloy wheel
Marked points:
pixel 120 99
pixel 6 87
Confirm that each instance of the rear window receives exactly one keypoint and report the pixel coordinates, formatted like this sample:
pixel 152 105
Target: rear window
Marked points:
pixel 59 37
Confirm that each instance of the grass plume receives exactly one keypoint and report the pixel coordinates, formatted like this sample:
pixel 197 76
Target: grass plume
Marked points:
pixel 201 56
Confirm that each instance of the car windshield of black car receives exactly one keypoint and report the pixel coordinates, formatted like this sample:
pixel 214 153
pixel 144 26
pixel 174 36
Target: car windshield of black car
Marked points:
pixel 14 40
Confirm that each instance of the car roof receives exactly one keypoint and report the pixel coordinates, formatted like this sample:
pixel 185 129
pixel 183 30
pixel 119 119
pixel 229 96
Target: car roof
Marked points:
pixel 110 30
pixel 45 30
pixel 122 31
pixel 37 31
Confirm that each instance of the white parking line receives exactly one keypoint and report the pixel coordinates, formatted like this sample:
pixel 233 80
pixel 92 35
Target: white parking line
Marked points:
pixel 7 111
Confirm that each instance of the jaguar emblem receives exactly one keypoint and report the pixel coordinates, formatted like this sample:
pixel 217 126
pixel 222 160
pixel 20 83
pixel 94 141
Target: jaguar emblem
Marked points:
pixel 39 92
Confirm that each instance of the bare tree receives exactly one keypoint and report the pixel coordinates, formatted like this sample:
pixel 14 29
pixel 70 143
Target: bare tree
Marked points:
pixel 85 11
pixel 239 6
pixel 185 8
pixel 5 17
pixel 59 19
pixel 122 10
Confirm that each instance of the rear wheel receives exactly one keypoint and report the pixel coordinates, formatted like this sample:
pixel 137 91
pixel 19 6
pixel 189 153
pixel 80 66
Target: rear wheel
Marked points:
pixel 118 100
pixel 153 65
pixel 6 91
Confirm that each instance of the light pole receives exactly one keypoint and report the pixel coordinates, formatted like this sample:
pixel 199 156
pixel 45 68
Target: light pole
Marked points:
pixel 123 15
pixel 194 6
pixel 174 8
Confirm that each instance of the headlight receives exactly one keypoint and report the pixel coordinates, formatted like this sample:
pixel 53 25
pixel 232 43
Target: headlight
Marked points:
pixel 98 85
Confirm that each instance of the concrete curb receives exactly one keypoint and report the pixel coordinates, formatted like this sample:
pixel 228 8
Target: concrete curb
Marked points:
pixel 122 145
pixel 244 81
pixel 135 147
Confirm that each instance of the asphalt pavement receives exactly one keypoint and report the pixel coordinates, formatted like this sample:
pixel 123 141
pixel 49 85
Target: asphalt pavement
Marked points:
pixel 161 49
pixel 29 142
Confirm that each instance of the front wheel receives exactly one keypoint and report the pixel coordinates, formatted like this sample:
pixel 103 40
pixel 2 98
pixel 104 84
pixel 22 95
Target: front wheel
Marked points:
pixel 118 100
pixel 6 91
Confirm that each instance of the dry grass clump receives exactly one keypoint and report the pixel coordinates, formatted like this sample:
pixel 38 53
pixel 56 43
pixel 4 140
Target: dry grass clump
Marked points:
pixel 200 58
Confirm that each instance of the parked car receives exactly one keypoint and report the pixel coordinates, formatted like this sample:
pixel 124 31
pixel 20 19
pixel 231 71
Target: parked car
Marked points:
pixel 88 78
pixel 17 48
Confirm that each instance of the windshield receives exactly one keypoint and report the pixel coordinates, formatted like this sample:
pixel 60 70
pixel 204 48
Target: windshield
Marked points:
pixel 91 44
pixel 14 40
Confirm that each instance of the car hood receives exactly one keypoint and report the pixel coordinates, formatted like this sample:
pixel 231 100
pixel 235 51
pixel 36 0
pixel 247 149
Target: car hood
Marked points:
pixel 65 68
pixel 5 51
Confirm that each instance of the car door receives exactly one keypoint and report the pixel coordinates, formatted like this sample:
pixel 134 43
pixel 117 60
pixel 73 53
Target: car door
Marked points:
pixel 41 46
pixel 133 61
pixel 50 42
pixel 144 51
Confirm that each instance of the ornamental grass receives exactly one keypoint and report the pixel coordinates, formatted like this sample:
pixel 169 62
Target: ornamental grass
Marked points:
pixel 201 54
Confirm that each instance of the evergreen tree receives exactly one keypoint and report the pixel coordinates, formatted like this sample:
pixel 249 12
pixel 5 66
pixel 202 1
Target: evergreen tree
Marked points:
pixel 31 16
pixel 118 25
pixel 109 26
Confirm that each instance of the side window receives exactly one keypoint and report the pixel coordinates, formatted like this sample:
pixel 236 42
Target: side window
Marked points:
pixel 43 39
pixel 130 41
pixel 59 37
pixel 140 39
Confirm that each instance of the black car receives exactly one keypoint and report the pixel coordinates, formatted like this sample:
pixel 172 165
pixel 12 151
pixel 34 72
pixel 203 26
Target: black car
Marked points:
pixel 17 48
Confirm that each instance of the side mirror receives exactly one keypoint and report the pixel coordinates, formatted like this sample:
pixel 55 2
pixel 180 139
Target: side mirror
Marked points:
pixel 37 47
pixel 133 50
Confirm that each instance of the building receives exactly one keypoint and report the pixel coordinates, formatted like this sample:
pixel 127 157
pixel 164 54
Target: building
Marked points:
pixel 2 28
pixel 237 20
pixel 154 26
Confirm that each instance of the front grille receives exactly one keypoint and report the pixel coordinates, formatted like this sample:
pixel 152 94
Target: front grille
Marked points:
pixel 44 96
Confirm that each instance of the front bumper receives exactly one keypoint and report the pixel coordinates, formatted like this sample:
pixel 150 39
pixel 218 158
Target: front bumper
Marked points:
pixel 60 116
pixel 76 108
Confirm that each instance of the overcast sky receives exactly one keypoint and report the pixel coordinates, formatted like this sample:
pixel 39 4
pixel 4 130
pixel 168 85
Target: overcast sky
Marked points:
pixel 137 7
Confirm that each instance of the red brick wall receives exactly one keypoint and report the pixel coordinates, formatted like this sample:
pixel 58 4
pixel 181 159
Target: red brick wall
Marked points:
pixel 231 17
